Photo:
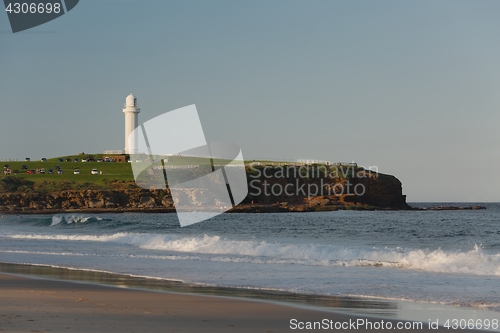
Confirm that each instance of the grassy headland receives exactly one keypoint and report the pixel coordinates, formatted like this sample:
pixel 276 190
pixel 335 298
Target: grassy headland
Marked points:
pixel 273 186
pixel 111 175
pixel 114 175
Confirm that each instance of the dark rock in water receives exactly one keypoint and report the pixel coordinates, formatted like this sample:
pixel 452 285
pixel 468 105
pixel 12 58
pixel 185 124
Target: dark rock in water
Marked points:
pixel 456 208
pixel 443 208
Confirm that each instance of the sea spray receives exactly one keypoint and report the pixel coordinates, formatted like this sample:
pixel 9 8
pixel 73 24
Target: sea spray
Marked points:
pixel 473 261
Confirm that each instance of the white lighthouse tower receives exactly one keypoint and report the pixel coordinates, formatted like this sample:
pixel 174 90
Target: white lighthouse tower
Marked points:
pixel 131 111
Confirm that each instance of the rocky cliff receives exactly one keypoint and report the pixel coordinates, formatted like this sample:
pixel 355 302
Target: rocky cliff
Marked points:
pixel 320 188
pixel 270 189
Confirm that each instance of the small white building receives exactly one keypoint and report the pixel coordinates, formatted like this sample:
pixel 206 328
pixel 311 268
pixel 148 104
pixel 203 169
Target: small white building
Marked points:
pixel 309 162
pixel 131 111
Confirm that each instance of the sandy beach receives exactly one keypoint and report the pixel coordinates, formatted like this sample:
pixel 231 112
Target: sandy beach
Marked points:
pixel 39 305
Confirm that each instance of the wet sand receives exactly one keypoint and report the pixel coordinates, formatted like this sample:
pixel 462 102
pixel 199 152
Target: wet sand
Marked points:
pixel 30 304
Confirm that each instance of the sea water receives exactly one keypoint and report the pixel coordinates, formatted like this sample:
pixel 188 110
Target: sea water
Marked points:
pixel 430 257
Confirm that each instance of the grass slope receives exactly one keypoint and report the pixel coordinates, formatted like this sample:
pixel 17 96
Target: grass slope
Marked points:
pixel 114 174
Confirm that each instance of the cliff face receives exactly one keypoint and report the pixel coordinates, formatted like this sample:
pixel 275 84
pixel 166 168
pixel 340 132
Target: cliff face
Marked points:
pixel 347 188
pixel 383 191
pixel 86 199
pixel 269 190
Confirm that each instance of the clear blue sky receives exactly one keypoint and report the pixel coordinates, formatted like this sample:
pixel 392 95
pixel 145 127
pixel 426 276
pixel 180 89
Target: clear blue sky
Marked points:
pixel 412 87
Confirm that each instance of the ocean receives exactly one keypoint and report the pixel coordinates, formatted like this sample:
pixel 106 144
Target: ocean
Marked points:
pixel 422 259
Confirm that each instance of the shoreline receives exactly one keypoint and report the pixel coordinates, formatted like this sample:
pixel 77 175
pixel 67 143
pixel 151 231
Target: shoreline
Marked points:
pixel 40 305
pixel 175 286
pixel 241 209
pixel 314 305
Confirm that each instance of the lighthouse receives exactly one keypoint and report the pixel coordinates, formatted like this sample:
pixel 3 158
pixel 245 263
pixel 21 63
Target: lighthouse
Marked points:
pixel 131 111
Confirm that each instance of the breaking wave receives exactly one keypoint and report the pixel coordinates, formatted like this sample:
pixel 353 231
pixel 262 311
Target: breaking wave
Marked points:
pixel 68 219
pixel 215 248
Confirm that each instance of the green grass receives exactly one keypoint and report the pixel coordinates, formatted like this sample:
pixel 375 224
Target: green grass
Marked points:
pixel 115 174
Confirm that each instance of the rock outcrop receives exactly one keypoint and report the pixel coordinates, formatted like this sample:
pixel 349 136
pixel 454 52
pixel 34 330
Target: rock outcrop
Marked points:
pixel 269 191
pixel 325 189
pixel 85 199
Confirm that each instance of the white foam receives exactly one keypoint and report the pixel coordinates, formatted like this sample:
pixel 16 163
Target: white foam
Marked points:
pixel 68 219
pixel 215 248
